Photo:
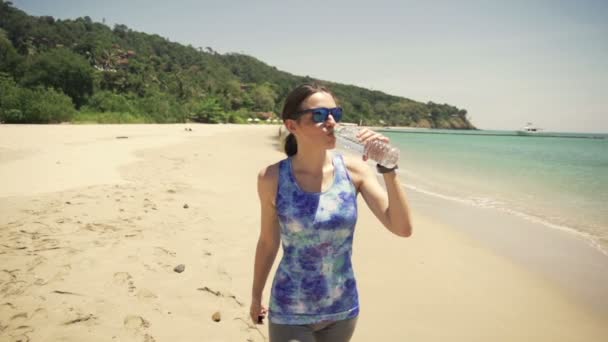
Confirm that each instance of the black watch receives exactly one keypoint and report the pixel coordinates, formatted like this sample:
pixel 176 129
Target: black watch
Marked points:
pixel 384 169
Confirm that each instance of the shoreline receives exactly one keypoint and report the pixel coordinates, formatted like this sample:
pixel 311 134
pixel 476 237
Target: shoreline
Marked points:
pixel 115 245
pixel 582 264
pixel 565 258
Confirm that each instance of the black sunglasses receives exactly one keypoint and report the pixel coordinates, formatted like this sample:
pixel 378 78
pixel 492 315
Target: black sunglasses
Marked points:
pixel 320 114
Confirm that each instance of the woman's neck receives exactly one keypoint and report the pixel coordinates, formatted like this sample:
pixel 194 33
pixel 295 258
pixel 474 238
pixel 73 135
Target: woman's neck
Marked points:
pixel 311 161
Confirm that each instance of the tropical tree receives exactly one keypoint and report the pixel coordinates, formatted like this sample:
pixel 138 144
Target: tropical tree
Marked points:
pixel 63 70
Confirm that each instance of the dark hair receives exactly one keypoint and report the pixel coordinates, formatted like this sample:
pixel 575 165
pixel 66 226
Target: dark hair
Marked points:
pixel 292 106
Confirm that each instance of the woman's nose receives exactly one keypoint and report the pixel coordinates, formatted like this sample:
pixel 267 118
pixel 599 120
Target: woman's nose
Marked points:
pixel 331 122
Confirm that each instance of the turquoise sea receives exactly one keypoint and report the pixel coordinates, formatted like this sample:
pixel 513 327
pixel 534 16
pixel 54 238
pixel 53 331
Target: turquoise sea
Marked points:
pixel 559 180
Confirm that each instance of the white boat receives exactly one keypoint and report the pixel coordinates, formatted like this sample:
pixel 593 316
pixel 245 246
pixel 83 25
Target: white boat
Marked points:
pixel 529 129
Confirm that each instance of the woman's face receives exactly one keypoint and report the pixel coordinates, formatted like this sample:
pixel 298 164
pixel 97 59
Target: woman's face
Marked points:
pixel 316 133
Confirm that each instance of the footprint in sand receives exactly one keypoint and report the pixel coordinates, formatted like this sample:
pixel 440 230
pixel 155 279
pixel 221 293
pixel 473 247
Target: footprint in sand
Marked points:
pixel 63 220
pixel 64 270
pixel 40 313
pixel 145 294
pixel 136 326
pixel 40 282
pixel 86 319
pixel 22 337
pixel 150 267
pixel 160 251
pixel 45 244
pixel 17 329
pixel 223 274
pixel 101 227
pixel 124 279
pixel 135 233
pixel 38 260
pixel 9 305
pixel 148 204
pixel 163 253
pixel 14 287
pixel 19 319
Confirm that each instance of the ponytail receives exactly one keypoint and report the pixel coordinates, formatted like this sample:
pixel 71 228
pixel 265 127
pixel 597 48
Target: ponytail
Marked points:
pixel 291 145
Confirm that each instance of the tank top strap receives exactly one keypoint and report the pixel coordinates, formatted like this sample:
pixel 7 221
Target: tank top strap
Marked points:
pixel 341 169
pixel 284 176
pixel 283 168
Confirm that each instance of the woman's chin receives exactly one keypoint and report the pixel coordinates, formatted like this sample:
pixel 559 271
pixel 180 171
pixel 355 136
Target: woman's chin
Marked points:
pixel 331 143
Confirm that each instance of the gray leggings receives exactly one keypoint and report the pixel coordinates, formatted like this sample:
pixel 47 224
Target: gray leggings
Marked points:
pixel 333 331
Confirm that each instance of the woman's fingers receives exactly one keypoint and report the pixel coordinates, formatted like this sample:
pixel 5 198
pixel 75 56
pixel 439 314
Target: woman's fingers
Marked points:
pixel 258 313
pixel 366 135
pixel 262 315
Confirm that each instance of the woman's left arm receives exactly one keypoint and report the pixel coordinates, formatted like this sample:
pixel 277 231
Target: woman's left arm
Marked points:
pixel 390 207
pixel 397 211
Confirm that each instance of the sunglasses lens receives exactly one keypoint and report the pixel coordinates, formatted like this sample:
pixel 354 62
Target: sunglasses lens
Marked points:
pixel 320 115
pixel 337 114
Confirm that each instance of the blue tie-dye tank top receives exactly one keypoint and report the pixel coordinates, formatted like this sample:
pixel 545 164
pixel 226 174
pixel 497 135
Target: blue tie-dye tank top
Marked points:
pixel 314 281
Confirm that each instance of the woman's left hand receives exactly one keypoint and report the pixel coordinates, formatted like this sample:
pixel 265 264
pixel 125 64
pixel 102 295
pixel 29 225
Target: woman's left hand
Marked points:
pixel 257 311
pixel 366 136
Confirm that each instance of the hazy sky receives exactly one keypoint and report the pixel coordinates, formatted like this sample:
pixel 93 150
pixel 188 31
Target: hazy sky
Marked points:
pixel 506 62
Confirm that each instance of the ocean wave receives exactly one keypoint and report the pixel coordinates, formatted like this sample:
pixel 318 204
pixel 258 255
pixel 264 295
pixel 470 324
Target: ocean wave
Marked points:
pixel 490 203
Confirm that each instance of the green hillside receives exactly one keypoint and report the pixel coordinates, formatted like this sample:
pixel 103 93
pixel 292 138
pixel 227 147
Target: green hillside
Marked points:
pixel 82 71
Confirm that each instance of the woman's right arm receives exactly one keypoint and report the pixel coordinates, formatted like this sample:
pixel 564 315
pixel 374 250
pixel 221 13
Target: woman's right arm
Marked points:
pixel 269 239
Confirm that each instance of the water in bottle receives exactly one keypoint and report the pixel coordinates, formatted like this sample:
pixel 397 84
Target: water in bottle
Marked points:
pixel 381 152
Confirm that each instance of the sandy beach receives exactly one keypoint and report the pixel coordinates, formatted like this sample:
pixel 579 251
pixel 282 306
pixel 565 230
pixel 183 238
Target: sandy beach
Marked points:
pixel 94 220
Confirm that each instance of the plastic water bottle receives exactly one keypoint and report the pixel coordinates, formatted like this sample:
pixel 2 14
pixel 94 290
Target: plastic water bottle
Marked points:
pixel 379 151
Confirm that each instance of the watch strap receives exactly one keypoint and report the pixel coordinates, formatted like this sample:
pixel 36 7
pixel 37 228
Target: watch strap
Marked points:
pixel 384 169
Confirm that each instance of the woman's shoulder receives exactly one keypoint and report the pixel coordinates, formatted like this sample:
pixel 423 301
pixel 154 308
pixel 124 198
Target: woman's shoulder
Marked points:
pixel 356 168
pixel 354 164
pixel 269 171
pixel 269 174
pixel 268 180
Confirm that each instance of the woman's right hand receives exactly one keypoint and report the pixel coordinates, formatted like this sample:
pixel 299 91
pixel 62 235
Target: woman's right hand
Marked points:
pixel 257 311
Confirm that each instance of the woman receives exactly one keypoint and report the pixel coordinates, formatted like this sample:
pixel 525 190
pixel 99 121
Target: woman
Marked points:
pixel 309 204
